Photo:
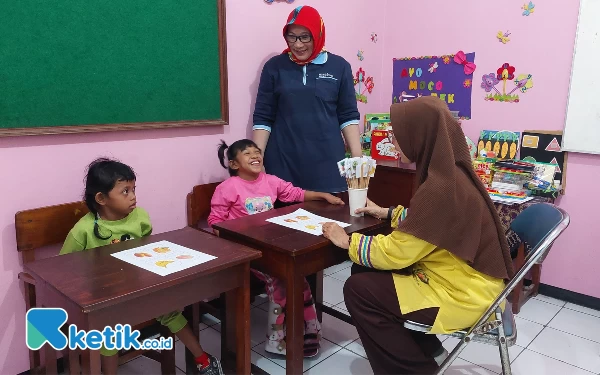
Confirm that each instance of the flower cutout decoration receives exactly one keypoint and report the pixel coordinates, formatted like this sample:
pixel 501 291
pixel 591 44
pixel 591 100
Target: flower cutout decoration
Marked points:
pixel 505 72
pixel 360 76
pixel 489 82
pixel 446 60
pixel 467 83
pixel 369 84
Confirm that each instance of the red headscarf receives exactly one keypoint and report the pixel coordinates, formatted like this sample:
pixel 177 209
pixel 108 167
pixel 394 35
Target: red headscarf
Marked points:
pixel 308 17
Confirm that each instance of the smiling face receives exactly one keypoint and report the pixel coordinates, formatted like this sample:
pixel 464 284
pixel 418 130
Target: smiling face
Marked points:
pixel 299 41
pixel 248 163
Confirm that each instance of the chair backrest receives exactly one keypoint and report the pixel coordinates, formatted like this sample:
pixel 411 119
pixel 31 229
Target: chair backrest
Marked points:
pixel 539 225
pixel 198 203
pixel 45 226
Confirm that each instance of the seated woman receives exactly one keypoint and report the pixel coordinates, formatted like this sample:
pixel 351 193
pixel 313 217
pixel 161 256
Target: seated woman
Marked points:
pixel 445 262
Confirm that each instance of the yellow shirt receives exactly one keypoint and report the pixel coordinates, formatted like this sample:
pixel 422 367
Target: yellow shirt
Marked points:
pixel 439 278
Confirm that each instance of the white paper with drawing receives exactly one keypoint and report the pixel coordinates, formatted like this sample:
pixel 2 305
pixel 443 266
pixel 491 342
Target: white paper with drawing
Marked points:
pixel 163 257
pixel 305 221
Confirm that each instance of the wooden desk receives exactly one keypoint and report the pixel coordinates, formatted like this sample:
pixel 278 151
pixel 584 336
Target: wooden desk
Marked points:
pixel 99 290
pixel 291 255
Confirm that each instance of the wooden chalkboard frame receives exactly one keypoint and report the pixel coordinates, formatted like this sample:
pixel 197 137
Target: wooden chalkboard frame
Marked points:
pixel 224 120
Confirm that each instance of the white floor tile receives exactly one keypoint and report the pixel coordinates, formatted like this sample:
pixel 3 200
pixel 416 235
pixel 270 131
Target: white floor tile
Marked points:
pixel 538 311
pixel 486 356
pixel 571 349
pixel 531 363
pixel 342 275
pixel 333 290
pixel 585 310
pixel 341 307
pixel 338 331
pixel 266 364
pixel 209 320
pixel 578 324
pixel 462 367
pixel 551 300
pixel 357 347
pixel 140 365
pixel 327 349
pixel 526 331
pixel 342 362
pixel 260 299
pixel 337 267
pixel 258 328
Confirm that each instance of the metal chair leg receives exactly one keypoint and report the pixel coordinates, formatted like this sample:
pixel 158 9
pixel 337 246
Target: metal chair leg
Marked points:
pixel 462 344
pixel 502 346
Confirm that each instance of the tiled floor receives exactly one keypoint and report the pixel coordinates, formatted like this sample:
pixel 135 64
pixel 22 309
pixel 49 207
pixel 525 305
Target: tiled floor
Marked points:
pixel 554 337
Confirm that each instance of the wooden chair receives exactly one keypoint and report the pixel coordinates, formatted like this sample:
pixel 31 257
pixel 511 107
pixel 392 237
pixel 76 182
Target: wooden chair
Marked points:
pixel 47 226
pixel 198 209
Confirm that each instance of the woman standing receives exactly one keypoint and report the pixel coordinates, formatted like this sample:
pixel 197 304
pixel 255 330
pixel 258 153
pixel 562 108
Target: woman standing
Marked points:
pixel 305 101
pixel 445 262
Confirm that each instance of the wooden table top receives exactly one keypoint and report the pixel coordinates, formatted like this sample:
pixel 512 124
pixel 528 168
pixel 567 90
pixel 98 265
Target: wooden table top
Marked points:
pixel 94 279
pixel 256 230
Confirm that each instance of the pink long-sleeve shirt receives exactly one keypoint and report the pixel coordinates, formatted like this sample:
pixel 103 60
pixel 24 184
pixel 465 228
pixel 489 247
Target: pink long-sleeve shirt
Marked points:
pixel 236 197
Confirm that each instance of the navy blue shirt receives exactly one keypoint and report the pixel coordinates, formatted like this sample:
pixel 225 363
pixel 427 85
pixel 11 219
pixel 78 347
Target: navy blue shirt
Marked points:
pixel 304 108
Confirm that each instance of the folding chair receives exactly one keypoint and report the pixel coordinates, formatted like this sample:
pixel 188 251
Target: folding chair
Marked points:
pixel 539 226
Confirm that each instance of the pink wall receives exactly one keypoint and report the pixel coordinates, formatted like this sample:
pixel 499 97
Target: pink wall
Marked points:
pixel 536 47
pixel 47 170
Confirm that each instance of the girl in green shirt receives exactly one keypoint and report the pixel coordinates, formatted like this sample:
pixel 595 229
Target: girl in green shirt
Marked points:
pixel 114 217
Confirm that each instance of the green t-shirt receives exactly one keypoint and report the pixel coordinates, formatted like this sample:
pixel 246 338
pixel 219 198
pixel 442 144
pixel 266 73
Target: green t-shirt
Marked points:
pixel 82 237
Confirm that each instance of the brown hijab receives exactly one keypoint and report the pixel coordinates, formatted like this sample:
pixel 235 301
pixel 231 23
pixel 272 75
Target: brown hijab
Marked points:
pixel 451 208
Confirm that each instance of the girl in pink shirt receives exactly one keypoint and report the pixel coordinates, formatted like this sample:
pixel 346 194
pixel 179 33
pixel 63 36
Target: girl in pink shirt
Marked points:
pixel 249 191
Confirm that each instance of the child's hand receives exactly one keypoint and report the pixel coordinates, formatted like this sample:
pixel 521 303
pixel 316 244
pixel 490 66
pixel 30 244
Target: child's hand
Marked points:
pixel 333 199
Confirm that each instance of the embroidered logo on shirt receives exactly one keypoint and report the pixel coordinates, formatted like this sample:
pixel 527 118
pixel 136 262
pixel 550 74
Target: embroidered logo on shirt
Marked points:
pixel 326 76
pixel 420 275
pixel 258 204
pixel 125 237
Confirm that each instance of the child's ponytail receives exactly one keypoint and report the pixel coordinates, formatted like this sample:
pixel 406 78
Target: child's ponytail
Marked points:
pixel 221 153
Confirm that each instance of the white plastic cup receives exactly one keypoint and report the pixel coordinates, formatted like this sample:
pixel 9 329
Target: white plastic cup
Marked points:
pixel 357 199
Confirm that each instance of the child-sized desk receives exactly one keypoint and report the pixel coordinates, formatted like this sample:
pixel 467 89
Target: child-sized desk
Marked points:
pixel 99 290
pixel 291 255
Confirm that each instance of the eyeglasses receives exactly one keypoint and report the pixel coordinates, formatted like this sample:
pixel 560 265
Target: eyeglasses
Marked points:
pixel 293 38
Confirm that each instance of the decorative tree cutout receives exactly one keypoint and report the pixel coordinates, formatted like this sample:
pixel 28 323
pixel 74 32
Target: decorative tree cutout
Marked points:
pixel 361 80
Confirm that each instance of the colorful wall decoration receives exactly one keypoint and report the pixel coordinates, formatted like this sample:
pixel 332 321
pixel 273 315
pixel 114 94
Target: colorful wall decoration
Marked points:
pixel 365 85
pixel 505 144
pixel 505 73
pixel 544 147
pixel 449 77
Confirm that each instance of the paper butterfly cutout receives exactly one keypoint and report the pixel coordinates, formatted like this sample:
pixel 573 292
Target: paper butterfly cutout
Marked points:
pixel 373 37
pixel 433 67
pixel 503 37
pixel 528 8
pixel 360 55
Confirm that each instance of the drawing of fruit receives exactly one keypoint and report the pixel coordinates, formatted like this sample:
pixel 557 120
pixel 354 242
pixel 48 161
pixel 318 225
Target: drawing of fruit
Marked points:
pixel 311 227
pixel 290 221
pixel 163 263
pixel 302 217
pixel 184 256
pixel 513 148
pixel 480 146
pixel 161 250
pixel 142 255
pixel 496 147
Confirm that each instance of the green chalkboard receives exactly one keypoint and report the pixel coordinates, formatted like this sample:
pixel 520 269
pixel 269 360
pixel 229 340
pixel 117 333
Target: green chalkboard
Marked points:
pixel 82 66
